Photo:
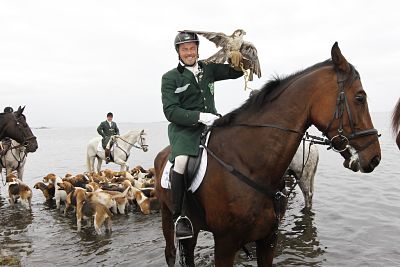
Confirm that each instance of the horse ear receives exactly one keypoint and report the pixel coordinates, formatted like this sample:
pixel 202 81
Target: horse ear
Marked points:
pixel 20 110
pixel 142 132
pixel 338 59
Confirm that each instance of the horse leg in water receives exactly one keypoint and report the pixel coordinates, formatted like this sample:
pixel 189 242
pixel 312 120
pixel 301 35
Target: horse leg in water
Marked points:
pixel 99 161
pixel 90 163
pixel 188 246
pixel 124 167
pixel 20 171
pixel 119 161
pixel 225 250
pixel 265 249
pixel 168 231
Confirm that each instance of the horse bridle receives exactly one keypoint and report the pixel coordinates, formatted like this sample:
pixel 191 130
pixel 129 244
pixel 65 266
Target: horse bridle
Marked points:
pixel 142 145
pixel 342 105
pixel 25 140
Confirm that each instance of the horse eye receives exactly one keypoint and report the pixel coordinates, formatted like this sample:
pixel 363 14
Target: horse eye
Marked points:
pixel 360 99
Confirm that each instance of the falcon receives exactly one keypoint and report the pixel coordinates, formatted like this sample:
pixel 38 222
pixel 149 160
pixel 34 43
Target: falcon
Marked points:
pixel 230 43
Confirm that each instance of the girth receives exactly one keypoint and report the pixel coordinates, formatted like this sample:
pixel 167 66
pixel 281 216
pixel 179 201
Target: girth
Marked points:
pixel 278 196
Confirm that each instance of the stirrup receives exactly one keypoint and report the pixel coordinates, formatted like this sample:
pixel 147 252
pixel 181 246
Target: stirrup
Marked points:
pixel 187 221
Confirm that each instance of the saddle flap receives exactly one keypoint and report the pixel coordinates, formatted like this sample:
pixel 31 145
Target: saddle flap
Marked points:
pixel 192 167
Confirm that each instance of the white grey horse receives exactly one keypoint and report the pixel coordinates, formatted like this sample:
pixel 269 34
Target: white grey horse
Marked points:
pixel 120 150
pixel 305 175
pixel 14 159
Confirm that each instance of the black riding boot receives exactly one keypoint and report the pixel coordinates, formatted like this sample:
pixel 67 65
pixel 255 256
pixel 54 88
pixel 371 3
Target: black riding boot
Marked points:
pixel 183 226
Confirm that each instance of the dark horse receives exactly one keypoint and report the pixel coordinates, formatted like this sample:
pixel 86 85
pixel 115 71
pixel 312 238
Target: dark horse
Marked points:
pixel 396 122
pixel 14 126
pixel 250 148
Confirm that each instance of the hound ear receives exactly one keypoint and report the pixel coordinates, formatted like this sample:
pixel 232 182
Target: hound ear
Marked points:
pixel 338 59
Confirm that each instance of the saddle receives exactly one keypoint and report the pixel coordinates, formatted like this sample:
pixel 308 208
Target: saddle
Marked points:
pixel 192 166
pixel 5 145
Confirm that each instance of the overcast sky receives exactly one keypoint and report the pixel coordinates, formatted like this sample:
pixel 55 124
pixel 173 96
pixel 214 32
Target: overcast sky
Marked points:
pixel 71 62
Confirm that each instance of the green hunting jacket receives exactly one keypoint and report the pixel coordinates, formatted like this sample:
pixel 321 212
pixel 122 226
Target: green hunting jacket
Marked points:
pixel 184 98
pixel 106 131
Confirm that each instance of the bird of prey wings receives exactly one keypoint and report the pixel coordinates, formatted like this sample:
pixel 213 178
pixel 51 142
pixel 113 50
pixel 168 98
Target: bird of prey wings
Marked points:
pixel 248 50
pixel 250 58
pixel 218 38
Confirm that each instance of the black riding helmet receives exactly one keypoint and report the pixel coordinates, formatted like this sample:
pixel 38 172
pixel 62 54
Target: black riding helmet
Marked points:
pixel 8 110
pixel 185 37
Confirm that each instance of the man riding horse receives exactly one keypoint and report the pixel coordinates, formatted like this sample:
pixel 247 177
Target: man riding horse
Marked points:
pixel 188 103
pixel 107 129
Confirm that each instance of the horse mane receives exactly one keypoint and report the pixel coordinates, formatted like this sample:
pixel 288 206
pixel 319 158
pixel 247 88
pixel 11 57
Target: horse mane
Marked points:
pixel 271 91
pixel 132 132
pixel 396 117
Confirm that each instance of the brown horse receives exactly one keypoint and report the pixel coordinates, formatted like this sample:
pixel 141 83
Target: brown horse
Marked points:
pixel 14 126
pixel 396 122
pixel 242 195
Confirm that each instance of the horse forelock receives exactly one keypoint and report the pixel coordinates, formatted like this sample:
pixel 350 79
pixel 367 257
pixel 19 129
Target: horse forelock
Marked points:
pixel 272 90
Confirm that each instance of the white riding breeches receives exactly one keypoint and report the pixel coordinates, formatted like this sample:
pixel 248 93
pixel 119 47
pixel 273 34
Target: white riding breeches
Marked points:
pixel 180 163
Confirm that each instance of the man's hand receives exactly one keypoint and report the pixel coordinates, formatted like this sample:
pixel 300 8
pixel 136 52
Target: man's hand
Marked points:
pixel 235 58
pixel 207 118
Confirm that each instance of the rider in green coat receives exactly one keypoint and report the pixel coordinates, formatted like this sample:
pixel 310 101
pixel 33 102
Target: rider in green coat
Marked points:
pixel 188 103
pixel 107 129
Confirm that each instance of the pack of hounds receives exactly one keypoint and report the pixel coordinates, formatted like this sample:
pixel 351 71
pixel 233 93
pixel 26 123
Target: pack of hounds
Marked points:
pixel 92 196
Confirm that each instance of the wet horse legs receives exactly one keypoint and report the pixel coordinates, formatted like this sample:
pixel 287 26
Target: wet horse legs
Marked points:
pixel 168 231
pixel 225 250
pixel 188 245
pixel 265 249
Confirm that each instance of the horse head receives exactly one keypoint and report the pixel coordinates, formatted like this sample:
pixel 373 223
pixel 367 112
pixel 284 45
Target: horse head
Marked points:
pixel 142 141
pixel 136 139
pixel 339 110
pixel 16 127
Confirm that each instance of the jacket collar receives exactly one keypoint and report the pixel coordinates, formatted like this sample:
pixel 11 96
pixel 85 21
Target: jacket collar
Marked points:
pixel 185 72
pixel 181 67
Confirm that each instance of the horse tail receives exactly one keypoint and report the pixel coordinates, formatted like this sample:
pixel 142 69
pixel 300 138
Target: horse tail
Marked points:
pixel 396 117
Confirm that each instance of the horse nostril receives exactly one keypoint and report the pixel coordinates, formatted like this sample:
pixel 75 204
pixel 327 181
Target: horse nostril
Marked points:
pixel 375 161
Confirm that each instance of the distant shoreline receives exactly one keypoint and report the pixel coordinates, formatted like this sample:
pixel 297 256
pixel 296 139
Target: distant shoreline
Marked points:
pixel 41 127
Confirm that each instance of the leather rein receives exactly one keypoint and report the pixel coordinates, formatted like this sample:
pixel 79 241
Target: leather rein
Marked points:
pixel 142 145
